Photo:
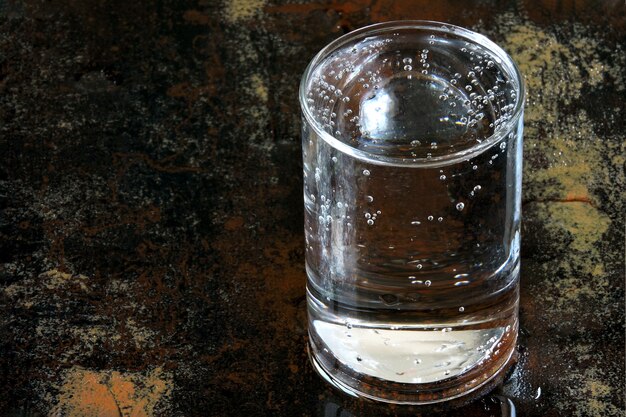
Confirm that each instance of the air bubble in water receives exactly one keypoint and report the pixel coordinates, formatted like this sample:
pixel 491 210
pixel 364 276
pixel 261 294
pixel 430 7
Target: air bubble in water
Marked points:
pixel 389 299
pixel 460 206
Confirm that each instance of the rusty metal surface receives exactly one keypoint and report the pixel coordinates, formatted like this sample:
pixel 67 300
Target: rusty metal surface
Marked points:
pixel 151 251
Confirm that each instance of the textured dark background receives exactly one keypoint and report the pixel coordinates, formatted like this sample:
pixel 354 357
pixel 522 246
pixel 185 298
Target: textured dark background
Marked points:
pixel 151 252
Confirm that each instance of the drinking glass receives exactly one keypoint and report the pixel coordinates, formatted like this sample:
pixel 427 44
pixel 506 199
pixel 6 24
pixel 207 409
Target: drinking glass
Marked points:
pixel 412 154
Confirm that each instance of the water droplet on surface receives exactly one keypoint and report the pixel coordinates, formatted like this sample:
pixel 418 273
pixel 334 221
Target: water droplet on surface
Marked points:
pixel 475 167
pixel 431 218
pixel 427 283
pixel 460 206
pixel 439 219
pixel 334 158
pixel 407 60
pixel 415 143
pixel 345 99
pixel 369 198
pixel 408 68
pixel 442 177
pixel 368 216
pixel 416 223
pixel 461 309
pixel 370 222
pixel 477 188
pixel 358 358
pixel 366 172
pixel 418 266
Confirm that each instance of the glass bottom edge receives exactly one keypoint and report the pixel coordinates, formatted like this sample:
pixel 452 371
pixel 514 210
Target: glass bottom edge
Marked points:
pixel 453 401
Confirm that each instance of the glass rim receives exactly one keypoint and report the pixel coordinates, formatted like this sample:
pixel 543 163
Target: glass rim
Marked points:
pixel 507 63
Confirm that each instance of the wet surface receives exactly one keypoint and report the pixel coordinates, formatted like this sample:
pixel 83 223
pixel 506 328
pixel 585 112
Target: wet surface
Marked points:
pixel 151 247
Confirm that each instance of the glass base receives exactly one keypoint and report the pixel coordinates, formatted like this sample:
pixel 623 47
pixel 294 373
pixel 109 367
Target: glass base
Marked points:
pixel 454 392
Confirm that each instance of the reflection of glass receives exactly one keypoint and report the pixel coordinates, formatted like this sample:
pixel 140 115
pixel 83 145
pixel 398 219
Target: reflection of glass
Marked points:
pixel 412 141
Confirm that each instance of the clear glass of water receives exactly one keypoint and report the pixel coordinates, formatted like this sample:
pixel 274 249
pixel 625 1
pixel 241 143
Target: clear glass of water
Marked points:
pixel 412 152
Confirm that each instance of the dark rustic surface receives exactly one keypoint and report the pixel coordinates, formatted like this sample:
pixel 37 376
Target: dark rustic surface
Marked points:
pixel 151 251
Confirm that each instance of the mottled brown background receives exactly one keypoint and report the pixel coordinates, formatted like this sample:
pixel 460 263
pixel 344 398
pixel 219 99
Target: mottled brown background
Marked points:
pixel 151 249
